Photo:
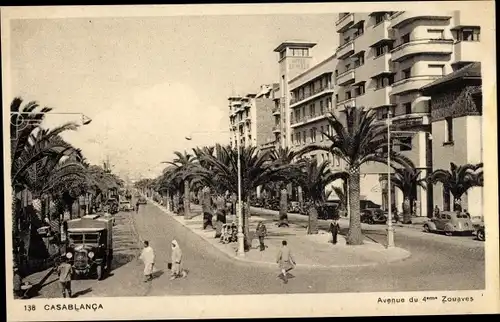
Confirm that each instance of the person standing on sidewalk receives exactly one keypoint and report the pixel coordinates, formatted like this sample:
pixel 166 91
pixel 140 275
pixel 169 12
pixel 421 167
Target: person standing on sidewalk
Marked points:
pixel 148 258
pixel 65 272
pixel 137 206
pixel 177 270
pixel 285 261
pixel 334 229
pixel 261 232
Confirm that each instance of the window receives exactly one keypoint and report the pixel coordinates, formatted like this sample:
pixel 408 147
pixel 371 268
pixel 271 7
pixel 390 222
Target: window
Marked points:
pixel 303 112
pixel 436 33
pixel 380 17
pixel 360 90
pixel 311 135
pixel 436 70
pixel 321 108
pixel 298 138
pixel 304 137
pixel 348 95
pixel 336 97
pixel 406 144
pixel 328 129
pixel 359 60
pixel 322 133
pixel 406 73
pixel 448 130
pixel 329 103
pixel 385 81
pixel 314 134
pixel 347 67
pixel 469 34
pixel 336 72
pixel 407 108
pixel 405 39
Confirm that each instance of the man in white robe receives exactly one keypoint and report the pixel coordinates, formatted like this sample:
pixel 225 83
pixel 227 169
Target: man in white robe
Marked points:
pixel 148 258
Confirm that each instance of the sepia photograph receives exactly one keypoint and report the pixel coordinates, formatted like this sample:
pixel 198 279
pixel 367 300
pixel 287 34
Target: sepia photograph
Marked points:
pixel 257 155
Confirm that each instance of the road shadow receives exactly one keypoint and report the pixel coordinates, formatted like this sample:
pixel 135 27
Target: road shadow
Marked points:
pixel 157 274
pixel 82 292
pixel 121 259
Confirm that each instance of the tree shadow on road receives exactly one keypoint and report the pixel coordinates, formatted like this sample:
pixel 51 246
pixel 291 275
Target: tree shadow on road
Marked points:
pixel 82 292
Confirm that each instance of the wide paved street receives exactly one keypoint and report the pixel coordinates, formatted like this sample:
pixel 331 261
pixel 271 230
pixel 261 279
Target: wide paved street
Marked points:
pixel 437 263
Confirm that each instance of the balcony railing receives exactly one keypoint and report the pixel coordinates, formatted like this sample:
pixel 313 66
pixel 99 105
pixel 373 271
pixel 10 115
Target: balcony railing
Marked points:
pixel 313 93
pixel 422 46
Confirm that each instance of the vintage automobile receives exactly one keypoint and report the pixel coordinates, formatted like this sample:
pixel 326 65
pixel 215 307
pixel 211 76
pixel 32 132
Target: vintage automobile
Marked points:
pixel 373 216
pixel 450 223
pixel 480 232
pixel 112 206
pixel 328 210
pixel 90 245
pixel 125 206
pixel 142 200
pixel 294 207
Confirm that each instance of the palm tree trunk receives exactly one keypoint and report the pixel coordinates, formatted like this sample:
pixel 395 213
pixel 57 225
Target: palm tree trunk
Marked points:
pixel 406 210
pixel 187 214
pixel 246 223
pixel 355 235
pixel 312 228
pixel 300 196
pixel 283 219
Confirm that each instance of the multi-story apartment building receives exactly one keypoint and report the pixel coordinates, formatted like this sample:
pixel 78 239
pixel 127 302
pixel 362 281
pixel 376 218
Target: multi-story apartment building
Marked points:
pixel 294 58
pixel 385 58
pixel 312 99
pixel 249 117
pixel 456 110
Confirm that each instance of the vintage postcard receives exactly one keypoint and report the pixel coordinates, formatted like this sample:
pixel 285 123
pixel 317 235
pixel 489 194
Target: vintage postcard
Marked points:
pixel 239 160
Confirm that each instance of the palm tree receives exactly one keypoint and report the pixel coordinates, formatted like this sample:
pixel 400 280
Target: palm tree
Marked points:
pixel 458 180
pixel 361 140
pixel 183 163
pixel 407 179
pixel 255 171
pixel 314 179
pixel 283 157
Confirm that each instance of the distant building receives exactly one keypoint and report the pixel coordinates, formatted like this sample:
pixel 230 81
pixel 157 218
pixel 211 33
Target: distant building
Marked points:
pixel 250 117
pixel 457 136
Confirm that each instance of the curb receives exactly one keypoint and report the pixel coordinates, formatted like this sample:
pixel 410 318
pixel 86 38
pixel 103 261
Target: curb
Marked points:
pixel 235 257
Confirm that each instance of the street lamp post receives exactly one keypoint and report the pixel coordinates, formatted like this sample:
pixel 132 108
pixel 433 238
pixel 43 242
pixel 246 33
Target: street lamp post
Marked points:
pixel 390 227
pixel 239 210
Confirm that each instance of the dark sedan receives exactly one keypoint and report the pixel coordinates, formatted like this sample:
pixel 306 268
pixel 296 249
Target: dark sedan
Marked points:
pixel 373 216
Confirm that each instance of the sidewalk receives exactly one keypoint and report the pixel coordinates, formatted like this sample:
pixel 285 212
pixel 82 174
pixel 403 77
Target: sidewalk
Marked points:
pixel 308 250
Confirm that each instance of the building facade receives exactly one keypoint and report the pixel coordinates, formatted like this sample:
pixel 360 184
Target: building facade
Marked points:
pixel 384 59
pixel 249 117
pixel 456 110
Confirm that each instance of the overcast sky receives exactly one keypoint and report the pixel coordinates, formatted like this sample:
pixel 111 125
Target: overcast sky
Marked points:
pixel 148 82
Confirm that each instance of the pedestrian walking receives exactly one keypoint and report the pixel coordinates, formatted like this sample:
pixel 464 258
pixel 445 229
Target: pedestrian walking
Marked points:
pixel 65 272
pixel 177 270
pixel 148 258
pixel 261 232
pixel 137 206
pixel 334 229
pixel 285 261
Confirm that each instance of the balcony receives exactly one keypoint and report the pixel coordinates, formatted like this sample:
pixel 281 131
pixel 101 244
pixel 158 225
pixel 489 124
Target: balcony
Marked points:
pixel 377 98
pixel 348 102
pixel 381 33
pixel 346 77
pixel 344 22
pixel 422 46
pixel 316 93
pixel 276 111
pixel 380 65
pixel 413 83
pixel 467 51
pixel 403 18
pixel 345 50
pixel 276 129
pixel 309 119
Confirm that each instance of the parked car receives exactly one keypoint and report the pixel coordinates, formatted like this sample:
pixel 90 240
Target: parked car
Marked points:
pixel 328 210
pixel 294 207
pixel 257 202
pixel 480 233
pixel 373 216
pixel 126 206
pixel 368 204
pixel 450 223
pixel 112 205
pixel 142 200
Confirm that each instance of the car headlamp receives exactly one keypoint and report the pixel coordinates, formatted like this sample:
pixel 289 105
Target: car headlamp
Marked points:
pixel 69 255
pixel 91 254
